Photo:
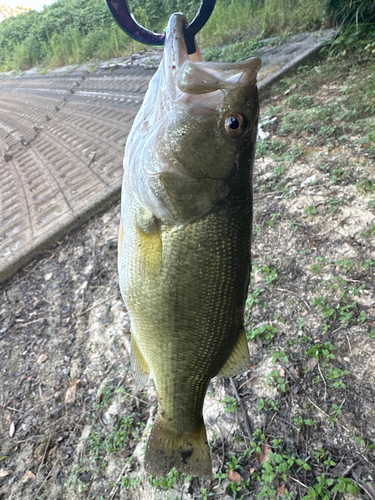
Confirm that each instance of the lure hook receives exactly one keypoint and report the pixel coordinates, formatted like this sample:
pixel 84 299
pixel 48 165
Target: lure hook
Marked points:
pixel 127 22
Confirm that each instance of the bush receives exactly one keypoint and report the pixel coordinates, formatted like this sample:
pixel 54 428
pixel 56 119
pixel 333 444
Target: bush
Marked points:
pixel 351 11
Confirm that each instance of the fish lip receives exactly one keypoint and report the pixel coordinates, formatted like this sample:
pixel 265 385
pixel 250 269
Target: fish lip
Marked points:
pixel 175 50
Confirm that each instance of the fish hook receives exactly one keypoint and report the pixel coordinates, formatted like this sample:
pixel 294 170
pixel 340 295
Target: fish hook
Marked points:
pixel 127 22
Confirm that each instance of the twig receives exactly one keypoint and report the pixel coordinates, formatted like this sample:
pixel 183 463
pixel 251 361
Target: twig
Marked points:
pixel 299 482
pixel 15 409
pixel 44 456
pixel 348 469
pixel 324 382
pixel 138 399
pixel 27 324
pixel 350 347
pixel 289 291
pixel 97 304
pixel 244 414
pixel 289 423
pixel 272 419
pixel 368 488
pixel 246 382
pixel 114 489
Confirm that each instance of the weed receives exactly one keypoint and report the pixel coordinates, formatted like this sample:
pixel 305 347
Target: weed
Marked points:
pixel 276 379
pixel 334 204
pixel 369 264
pixel 279 356
pixel 316 269
pixel 204 494
pixel 322 352
pixel 128 483
pixel 264 332
pixel 252 299
pixel 230 404
pixel 326 310
pixel 310 210
pixel 336 374
pixel 267 404
pixel 365 185
pixel 345 263
pixel 234 463
pixel 165 483
pixel 304 422
pixel 369 231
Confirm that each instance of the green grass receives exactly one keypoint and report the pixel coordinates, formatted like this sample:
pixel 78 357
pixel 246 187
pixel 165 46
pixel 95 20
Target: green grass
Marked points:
pixel 73 31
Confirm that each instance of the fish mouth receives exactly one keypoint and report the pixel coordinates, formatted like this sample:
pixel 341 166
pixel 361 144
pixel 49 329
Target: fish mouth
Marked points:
pixel 191 75
pixel 175 45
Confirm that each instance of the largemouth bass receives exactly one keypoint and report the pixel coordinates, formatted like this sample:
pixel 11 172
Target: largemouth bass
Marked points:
pixel 184 243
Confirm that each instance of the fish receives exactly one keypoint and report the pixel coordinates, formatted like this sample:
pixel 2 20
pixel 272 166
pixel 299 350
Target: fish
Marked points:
pixel 185 240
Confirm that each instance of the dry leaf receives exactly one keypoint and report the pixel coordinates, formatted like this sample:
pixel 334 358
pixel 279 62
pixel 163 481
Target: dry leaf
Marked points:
pixel 4 472
pixel 311 364
pixel 70 395
pixel 12 429
pixel 42 358
pixel 264 456
pixel 48 276
pixel 131 443
pixel 281 491
pixel 370 490
pixel 234 476
pixel 30 475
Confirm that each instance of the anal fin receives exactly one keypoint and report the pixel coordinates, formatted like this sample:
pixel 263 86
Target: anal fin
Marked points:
pixel 139 364
pixel 239 360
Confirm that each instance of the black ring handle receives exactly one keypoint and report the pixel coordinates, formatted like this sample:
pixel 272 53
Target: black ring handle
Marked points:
pixel 126 21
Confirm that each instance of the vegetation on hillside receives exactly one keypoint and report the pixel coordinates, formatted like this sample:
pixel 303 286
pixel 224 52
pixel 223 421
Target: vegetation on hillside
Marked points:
pixel 71 31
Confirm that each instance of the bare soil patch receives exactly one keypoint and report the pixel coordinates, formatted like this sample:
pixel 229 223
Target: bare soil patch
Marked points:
pixel 301 421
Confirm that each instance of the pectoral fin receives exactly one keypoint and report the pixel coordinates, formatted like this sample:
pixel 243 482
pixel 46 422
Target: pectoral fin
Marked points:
pixel 139 364
pixel 239 360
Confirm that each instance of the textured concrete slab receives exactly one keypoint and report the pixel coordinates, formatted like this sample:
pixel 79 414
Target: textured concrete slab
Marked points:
pixel 62 139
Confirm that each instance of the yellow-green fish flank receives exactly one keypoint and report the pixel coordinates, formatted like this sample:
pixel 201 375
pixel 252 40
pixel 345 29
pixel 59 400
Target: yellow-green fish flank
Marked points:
pixel 184 243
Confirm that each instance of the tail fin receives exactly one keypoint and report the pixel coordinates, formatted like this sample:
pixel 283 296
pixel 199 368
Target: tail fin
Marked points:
pixel 167 448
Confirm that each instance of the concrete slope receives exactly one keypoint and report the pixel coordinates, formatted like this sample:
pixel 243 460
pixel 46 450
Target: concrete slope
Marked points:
pixel 62 138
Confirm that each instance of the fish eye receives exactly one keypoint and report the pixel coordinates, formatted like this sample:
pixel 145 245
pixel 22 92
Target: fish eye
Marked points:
pixel 234 124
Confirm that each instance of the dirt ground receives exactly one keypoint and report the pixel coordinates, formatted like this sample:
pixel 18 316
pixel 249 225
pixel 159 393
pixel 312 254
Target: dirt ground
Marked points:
pixel 299 423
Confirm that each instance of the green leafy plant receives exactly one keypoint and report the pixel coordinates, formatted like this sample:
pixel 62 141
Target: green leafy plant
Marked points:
pixel 276 379
pixel 336 374
pixel 322 352
pixel 304 422
pixel 267 404
pixel 263 332
pixel 165 483
pixel 230 404
pixel 310 210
